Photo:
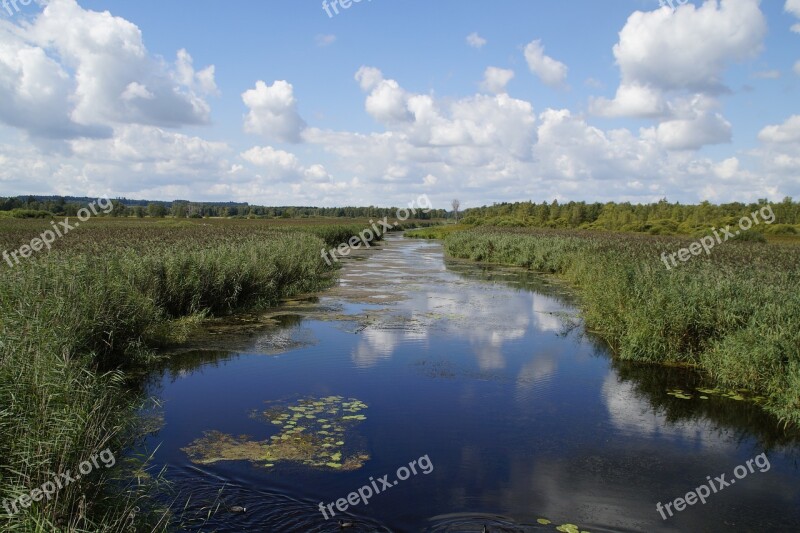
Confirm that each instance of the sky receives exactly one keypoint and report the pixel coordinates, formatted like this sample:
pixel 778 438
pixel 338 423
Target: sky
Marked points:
pixel 303 102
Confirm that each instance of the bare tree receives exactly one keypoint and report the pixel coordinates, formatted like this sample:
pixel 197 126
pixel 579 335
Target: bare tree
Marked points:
pixel 456 204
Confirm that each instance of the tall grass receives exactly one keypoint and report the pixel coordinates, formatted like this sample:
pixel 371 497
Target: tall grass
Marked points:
pixel 76 322
pixel 734 315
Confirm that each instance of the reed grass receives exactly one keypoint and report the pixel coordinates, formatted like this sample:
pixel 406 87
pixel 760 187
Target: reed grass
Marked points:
pixel 77 324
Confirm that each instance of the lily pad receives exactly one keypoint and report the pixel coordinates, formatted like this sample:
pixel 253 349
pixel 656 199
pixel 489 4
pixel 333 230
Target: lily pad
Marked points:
pixel 308 444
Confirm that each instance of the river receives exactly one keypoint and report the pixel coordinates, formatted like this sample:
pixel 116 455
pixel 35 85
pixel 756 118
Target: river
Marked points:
pixel 516 417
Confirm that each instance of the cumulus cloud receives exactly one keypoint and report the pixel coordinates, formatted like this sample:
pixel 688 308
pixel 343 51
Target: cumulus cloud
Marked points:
pixel 153 150
pixel 487 146
pixel 495 79
pixel 788 132
pixel 79 73
pixel 477 122
pixel 690 48
pixel 284 166
pixel 692 134
pixel 660 52
pixel 793 7
pixel 631 100
pixel 550 71
pixel 476 41
pixel 694 122
pixel 670 74
pixel 387 101
pixel 273 112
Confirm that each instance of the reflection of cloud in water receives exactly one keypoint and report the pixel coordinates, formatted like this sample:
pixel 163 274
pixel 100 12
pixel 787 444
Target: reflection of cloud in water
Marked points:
pixel 629 413
pixel 540 369
pixel 543 319
pixel 377 344
pixel 483 315
pixel 488 316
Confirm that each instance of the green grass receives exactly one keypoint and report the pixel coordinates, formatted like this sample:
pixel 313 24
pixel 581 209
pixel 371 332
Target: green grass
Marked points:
pixel 734 315
pixel 435 232
pixel 78 323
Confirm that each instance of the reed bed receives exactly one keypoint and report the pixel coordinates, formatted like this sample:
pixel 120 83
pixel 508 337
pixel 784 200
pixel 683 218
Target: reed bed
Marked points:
pixel 78 322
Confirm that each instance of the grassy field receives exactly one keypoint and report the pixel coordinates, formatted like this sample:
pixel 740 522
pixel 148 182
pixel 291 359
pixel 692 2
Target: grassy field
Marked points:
pixel 734 314
pixel 77 322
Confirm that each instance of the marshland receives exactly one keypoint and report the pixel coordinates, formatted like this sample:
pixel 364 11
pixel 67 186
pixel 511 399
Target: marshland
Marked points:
pixel 229 365
pixel 365 266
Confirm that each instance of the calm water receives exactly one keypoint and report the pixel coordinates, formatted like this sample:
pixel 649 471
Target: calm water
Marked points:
pixel 487 372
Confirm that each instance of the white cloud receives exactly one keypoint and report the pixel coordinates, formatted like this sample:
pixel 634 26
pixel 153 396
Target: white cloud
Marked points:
pixel 107 131
pixel 693 123
pixel 797 68
pixel 476 41
pixel 692 134
pixel 670 74
pixel 153 150
pixel 495 79
pixel 690 48
pixel 284 166
pixel 325 40
pixel 73 73
pixel 632 100
pixel 788 132
pixel 550 71
pixel 107 54
pixel 368 78
pixel 273 112
pixel 793 7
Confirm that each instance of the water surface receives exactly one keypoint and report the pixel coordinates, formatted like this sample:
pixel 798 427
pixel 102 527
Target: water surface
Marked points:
pixel 489 373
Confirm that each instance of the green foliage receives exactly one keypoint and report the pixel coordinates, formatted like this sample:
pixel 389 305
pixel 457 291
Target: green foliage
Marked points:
pixel 77 324
pixel 734 314
pixel 662 218
pixel 25 213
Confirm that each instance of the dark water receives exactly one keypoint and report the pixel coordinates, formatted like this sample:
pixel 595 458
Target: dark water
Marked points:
pixel 489 374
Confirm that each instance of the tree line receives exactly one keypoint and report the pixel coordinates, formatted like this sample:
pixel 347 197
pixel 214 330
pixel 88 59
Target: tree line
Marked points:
pixel 661 218
pixel 41 206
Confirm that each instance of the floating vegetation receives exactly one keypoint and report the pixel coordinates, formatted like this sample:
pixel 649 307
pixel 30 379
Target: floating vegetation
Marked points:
pixel 705 394
pixel 304 438
pixel 678 393
pixel 564 528
pixel 569 528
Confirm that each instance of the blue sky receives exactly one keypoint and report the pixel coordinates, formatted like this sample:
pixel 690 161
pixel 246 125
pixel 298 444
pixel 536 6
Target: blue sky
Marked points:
pixel 699 103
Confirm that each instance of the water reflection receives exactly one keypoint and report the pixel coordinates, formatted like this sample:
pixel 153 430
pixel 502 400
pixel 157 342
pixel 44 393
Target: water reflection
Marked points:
pixel 485 369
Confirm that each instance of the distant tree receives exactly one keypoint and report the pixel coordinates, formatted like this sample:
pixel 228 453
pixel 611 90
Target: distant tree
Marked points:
pixel 456 204
pixel 156 210
pixel 119 209
pixel 179 210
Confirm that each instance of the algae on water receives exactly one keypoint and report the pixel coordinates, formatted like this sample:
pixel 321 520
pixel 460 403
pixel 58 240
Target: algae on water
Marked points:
pixel 313 433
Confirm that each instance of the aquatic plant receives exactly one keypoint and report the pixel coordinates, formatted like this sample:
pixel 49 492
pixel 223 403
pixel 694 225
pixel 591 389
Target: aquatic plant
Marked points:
pixel 313 433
